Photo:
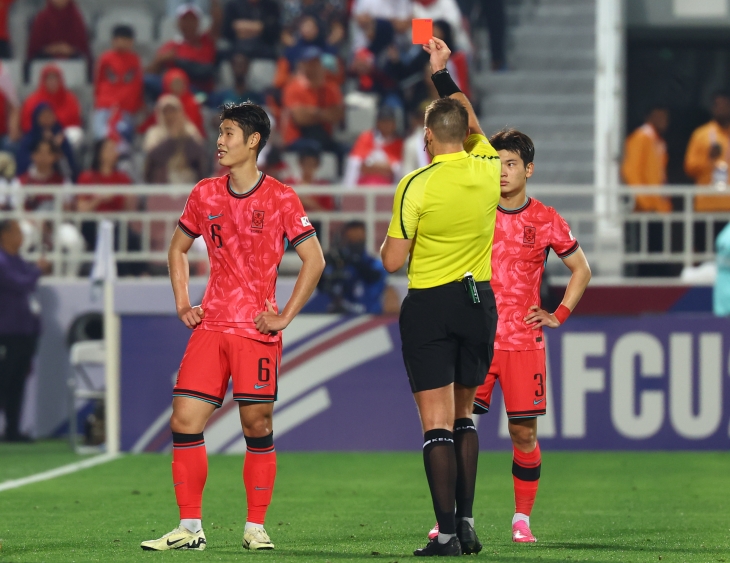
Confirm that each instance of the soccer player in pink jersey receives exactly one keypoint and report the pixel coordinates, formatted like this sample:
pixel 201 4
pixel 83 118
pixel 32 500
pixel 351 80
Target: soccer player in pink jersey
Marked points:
pixel 525 232
pixel 246 219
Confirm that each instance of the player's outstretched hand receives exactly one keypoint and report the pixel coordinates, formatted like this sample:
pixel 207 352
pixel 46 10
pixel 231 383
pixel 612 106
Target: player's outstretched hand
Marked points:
pixel 269 321
pixel 439 52
pixel 539 317
pixel 191 316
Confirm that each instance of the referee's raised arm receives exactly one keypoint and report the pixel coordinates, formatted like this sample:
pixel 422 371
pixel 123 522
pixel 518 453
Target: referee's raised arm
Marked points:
pixel 446 87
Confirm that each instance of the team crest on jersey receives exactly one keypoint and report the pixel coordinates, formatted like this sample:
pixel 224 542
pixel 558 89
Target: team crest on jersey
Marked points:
pixel 529 237
pixel 257 220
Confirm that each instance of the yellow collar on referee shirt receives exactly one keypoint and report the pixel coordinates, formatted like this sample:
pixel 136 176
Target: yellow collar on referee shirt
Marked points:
pixel 449 157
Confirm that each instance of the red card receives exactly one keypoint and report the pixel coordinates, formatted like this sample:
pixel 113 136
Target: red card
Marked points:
pixel 422 31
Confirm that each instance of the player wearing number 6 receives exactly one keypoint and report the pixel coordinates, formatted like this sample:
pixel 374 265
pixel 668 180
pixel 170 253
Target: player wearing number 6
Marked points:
pixel 246 219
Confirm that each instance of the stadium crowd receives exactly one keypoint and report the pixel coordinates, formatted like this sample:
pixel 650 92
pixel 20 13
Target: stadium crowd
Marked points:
pixel 146 111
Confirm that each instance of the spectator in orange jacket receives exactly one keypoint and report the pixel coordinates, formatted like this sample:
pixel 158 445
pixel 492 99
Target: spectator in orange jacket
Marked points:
pixel 645 160
pixel 708 153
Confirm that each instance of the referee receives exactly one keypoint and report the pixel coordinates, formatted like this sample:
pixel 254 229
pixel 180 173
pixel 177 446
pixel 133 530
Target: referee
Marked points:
pixel 444 216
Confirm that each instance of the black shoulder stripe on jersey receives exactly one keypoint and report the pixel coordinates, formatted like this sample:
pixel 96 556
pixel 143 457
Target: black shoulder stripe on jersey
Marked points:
pixel 249 192
pixel 299 238
pixel 403 198
pixel 187 231
pixel 570 251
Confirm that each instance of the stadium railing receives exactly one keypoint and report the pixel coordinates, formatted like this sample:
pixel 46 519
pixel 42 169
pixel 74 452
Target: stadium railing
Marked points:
pixel 644 237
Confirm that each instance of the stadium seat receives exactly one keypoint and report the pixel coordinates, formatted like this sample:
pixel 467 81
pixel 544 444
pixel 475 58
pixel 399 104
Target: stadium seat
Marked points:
pixel 360 112
pixel 225 75
pixel 74 72
pixel 327 168
pixel 86 382
pixel 261 74
pixel 168 27
pixel 15 68
pixel 139 18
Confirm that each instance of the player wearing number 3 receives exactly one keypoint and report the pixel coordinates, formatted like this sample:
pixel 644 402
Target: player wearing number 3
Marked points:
pixel 525 231
pixel 246 219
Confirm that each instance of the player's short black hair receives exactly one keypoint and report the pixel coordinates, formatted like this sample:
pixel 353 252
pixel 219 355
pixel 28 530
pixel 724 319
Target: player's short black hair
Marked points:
pixel 448 119
pixel 122 30
pixel 251 118
pixel 515 141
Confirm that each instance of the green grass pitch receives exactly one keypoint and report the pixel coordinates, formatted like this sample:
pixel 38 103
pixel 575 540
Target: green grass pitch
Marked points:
pixel 598 507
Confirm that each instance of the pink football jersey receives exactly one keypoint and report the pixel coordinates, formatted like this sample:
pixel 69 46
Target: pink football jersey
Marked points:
pixel 522 239
pixel 246 235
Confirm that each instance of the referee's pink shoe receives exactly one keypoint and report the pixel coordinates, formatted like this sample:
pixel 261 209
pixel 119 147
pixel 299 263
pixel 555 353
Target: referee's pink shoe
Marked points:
pixel 521 533
pixel 434 531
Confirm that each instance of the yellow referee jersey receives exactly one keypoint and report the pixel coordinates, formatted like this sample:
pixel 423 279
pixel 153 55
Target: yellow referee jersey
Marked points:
pixel 449 209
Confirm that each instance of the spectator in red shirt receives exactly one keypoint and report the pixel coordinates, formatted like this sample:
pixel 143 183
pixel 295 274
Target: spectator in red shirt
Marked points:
pixel 175 82
pixel 312 106
pixel 59 32
pixel 377 155
pixel 5 48
pixel 64 103
pixel 103 172
pixel 193 52
pixel 118 86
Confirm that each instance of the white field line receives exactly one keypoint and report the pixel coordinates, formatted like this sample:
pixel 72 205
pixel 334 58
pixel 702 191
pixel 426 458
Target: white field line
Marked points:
pixel 58 471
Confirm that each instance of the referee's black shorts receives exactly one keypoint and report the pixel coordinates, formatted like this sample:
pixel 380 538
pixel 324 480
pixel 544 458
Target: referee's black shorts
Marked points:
pixel 447 338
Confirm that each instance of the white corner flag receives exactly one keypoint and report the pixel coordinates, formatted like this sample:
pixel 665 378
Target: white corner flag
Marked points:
pixel 105 266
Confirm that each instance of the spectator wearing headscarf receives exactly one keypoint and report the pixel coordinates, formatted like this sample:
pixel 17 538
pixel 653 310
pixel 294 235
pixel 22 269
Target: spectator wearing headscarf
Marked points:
pixel 176 82
pixel 59 32
pixel 174 148
pixel 64 103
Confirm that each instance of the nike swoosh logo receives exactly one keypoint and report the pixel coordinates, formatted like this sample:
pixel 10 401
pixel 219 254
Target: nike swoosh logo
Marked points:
pixel 262 488
pixel 257 386
pixel 174 542
pixel 536 402
pixel 211 217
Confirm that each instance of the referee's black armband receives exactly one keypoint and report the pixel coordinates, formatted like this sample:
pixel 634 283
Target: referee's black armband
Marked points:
pixel 445 85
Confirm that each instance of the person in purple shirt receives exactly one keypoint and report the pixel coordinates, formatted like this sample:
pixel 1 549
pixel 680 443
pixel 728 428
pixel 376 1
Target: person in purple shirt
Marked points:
pixel 19 325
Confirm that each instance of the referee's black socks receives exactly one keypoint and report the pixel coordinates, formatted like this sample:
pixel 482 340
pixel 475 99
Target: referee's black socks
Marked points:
pixel 439 458
pixel 466 445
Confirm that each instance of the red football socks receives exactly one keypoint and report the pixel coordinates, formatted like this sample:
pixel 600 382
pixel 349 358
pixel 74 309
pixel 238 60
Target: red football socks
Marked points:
pixel 189 472
pixel 259 474
pixel 526 477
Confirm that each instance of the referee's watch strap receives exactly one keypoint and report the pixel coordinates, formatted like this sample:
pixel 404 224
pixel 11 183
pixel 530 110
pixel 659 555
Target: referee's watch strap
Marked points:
pixel 445 85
